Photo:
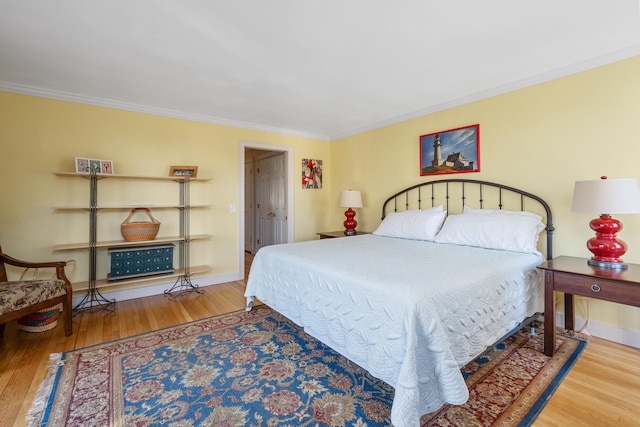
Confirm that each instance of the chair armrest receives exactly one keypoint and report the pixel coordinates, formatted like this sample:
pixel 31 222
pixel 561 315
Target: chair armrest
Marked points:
pixel 26 264
pixel 58 265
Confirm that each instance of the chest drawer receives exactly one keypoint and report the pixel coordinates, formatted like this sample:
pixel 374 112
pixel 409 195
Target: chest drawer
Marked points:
pixel 609 290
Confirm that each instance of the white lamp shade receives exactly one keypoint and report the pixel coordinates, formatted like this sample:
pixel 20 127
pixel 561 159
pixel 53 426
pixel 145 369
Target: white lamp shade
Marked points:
pixel 607 196
pixel 350 199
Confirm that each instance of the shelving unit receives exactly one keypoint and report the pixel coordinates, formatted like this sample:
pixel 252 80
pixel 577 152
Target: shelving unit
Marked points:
pixel 93 297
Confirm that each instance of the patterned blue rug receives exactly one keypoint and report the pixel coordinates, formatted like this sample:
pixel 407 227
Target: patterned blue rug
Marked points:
pixel 259 369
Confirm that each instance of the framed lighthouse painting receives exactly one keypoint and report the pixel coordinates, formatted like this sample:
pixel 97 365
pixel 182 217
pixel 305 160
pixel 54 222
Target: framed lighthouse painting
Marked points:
pixel 450 151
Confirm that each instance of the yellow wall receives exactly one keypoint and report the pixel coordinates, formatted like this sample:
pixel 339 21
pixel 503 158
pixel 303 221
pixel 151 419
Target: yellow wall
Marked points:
pixel 40 136
pixel 541 139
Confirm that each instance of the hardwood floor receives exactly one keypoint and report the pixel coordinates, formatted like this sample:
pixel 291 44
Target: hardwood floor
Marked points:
pixel 602 389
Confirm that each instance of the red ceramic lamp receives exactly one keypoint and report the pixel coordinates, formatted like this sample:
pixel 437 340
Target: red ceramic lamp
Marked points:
pixel 350 199
pixel 614 196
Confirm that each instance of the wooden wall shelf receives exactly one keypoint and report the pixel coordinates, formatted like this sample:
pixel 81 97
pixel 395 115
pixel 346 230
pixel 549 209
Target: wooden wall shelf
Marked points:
pixel 104 283
pixel 123 243
pixel 121 176
pixel 129 207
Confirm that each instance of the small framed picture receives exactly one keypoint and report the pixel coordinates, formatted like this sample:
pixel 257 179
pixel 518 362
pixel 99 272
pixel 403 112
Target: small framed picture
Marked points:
pixel 190 171
pixel 311 173
pixel 106 167
pixel 84 165
pixel 94 166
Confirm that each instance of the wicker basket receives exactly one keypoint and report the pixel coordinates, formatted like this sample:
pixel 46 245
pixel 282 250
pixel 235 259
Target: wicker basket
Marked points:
pixel 41 320
pixel 137 231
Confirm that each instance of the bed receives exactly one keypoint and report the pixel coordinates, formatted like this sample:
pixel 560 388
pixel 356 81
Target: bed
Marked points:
pixel 450 271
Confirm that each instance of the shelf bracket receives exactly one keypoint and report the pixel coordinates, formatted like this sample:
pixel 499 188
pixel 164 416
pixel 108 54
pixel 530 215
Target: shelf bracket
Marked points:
pixel 94 300
pixel 182 284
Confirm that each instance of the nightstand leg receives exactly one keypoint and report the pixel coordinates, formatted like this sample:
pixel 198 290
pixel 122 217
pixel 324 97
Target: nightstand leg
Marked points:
pixel 569 313
pixel 549 315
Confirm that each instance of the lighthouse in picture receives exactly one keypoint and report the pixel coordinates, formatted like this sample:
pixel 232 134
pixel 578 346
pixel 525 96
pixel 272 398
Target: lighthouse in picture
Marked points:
pixel 437 152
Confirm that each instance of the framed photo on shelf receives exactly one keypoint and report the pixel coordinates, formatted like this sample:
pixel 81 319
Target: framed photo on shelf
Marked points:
pixel 450 151
pixel 106 166
pixel 190 171
pixel 82 165
pixel 85 165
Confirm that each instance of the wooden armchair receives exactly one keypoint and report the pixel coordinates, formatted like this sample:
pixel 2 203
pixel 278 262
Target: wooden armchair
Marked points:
pixel 23 297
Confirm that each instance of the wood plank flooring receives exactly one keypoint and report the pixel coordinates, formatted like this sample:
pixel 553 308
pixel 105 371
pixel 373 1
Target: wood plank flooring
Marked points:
pixel 602 389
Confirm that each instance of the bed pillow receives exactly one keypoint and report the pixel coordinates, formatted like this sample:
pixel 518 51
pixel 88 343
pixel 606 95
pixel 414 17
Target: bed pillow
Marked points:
pixel 415 225
pixel 508 232
pixel 473 211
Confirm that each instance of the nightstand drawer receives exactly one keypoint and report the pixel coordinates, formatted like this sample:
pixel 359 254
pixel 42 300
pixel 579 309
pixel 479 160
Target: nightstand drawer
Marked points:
pixel 609 290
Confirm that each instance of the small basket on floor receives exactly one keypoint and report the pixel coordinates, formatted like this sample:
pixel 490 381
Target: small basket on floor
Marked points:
pixel 40 321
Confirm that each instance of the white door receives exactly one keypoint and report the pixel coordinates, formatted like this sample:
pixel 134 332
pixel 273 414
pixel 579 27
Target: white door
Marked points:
pixel 271 200
pixel 248 205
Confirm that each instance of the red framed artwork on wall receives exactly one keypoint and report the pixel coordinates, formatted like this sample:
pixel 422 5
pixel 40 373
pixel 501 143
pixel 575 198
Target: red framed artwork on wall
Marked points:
pixel 450 151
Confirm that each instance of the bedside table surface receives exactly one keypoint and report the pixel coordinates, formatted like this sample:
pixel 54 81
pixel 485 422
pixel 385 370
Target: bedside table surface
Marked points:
pixel 579 266
pixel 328 234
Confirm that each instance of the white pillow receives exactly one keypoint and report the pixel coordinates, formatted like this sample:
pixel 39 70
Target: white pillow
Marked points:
pixel 516 233
pixel 416 225
pixel 473 211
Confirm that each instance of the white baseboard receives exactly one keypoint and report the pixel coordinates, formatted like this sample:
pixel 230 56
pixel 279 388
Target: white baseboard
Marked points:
pixel 159 288
pixel 604 331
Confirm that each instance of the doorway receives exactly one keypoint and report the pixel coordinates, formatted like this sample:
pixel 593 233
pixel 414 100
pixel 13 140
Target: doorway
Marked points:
pixel 270 212
pixel 266 199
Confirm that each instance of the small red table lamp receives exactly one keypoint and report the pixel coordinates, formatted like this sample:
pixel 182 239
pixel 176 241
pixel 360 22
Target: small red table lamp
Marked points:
pixel 350 199
pixel 614 196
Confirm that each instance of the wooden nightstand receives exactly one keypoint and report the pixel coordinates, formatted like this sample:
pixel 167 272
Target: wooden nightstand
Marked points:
pixel 574 276
pixel 334 234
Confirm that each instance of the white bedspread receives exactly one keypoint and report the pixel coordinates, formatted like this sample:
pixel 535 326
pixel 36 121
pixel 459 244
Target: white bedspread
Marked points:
pixel 410 312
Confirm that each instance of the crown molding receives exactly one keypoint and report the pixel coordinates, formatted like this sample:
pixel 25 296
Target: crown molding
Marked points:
pixel 119 105
pixel 627 53
pixel 620 55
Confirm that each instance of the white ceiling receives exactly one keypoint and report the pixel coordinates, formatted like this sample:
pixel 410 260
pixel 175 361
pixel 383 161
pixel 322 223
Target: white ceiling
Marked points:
pixel 316 68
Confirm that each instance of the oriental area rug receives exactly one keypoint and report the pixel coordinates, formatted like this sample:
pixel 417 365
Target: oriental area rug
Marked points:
pixel 259 369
